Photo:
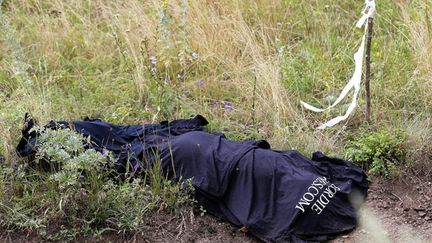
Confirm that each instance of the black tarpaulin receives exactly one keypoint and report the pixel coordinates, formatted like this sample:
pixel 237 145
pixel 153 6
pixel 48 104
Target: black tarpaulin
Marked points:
pixel 280 196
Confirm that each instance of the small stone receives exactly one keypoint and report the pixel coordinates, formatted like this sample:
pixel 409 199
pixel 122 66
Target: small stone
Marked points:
pixel 422 213
pixel 427 218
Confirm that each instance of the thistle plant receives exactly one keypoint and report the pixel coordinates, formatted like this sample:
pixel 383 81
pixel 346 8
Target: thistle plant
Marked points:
pixel 72 164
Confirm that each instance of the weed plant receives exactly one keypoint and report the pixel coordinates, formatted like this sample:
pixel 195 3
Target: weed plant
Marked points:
pixel 380 152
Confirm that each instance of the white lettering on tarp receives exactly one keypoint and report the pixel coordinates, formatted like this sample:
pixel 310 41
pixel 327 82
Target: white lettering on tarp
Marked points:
pixel 319 194
pixel 320 182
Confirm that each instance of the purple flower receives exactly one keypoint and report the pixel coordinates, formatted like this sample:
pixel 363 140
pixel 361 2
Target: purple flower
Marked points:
pixel 228 106
pixel 201 83
pixel 136 166
pixel 216 104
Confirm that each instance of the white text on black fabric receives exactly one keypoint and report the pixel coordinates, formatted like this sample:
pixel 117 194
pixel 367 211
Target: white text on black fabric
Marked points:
pixel 320 192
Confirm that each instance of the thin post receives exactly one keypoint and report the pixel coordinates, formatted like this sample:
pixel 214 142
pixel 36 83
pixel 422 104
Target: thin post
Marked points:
pixel 368 71
pixel 428 24
pixel 253 105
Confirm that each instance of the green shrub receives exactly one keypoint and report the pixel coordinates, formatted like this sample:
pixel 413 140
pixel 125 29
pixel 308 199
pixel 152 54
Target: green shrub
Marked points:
pixel 379 152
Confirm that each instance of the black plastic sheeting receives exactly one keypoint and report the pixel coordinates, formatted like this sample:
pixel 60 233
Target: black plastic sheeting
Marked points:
pixel 280 196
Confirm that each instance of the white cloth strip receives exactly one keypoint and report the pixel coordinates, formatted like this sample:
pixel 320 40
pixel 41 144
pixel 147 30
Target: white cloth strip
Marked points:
pixel 355 80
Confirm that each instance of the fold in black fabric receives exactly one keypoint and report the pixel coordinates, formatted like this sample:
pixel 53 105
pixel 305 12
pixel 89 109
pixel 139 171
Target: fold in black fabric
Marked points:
pixel 280 196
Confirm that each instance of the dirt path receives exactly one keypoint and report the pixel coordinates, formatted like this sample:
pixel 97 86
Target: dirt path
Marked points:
pixel 396 211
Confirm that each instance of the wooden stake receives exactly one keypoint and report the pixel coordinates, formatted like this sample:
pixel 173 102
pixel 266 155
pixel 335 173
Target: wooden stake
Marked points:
pixel 253 105
pixel 428 24
pixel 367 71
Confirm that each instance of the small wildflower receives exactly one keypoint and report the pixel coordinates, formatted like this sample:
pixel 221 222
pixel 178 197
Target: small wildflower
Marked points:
pixel 153 60
pixel 216 103
pixel 179 76
pixel 195 55
pixel 279 24
pixel 228 106
pixel 277 40
pixel 281 49
pixel 153 71
pixel 115 34
pixel 201 83
pixel 136 166
pixel 105 152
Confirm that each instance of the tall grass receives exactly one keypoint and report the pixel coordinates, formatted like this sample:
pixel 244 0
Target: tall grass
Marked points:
pixel 86 55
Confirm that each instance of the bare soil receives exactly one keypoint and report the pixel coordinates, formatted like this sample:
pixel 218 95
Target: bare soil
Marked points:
pixel 395 211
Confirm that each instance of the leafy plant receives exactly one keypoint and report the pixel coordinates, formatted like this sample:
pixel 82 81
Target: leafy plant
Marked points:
pixel 379 152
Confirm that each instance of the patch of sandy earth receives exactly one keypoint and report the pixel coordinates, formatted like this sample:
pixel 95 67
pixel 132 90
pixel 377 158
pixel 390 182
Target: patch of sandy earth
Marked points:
pixel 396 211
